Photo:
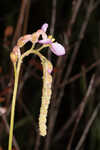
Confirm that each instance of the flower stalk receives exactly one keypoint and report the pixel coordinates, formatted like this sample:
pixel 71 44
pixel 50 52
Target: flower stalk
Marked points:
pixel 13 105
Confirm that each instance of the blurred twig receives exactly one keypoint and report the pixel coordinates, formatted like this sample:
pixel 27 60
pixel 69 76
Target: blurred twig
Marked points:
pixel 53 17
pixel 81 36
pixel 61 93
pixel 20 22
pixel 77 76
pixel 52 26
pixel 96 4
pixel 26 17
pixel 81 110
pixel 7 130
pixel 73 18
pixel 89 124
pixel 74 114
pixel 37 144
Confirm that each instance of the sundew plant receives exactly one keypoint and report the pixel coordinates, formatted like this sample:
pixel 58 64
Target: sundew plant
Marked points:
pixel 17 59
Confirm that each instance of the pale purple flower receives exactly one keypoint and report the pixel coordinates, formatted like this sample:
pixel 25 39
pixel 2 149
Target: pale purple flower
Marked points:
pixel 57 49
pixel 42 33
pixel 44 27
pixel 45 41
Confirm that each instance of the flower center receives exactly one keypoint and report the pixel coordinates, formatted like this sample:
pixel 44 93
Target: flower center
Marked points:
pixel 51 38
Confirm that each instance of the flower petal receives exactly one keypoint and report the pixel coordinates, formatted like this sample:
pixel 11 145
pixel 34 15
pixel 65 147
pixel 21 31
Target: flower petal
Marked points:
pixel 45 41
pixel 42 33
pixel 57 49
pixel 44 27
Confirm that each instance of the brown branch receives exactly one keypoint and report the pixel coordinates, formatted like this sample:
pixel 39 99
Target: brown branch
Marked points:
pixel 7 130
pixel 96 4
pixel 53 17
pixel 73 18
pixel 37 144
pixel 26 17
pixel 20 22
pixel 53 20
pixel 74 114
pixel 89 124
pixel 81 111
pixel 77 44
pixel 77 76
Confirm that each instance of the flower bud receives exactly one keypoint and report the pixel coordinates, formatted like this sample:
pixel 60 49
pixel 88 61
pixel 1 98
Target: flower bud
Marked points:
pixel 24 39
pixel 34 38
pixel 15 54
pixel 13 57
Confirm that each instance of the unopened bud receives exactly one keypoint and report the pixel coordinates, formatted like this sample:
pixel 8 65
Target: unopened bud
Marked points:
pixel 15 54
pixel 24 39
pixel 34 38
pixel 13 57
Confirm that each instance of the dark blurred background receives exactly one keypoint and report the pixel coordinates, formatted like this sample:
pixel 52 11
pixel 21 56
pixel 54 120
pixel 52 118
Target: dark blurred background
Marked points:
pixel 73 117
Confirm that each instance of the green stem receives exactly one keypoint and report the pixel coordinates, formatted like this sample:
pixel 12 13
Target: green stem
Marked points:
pixel 14 68
pixel 13 105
